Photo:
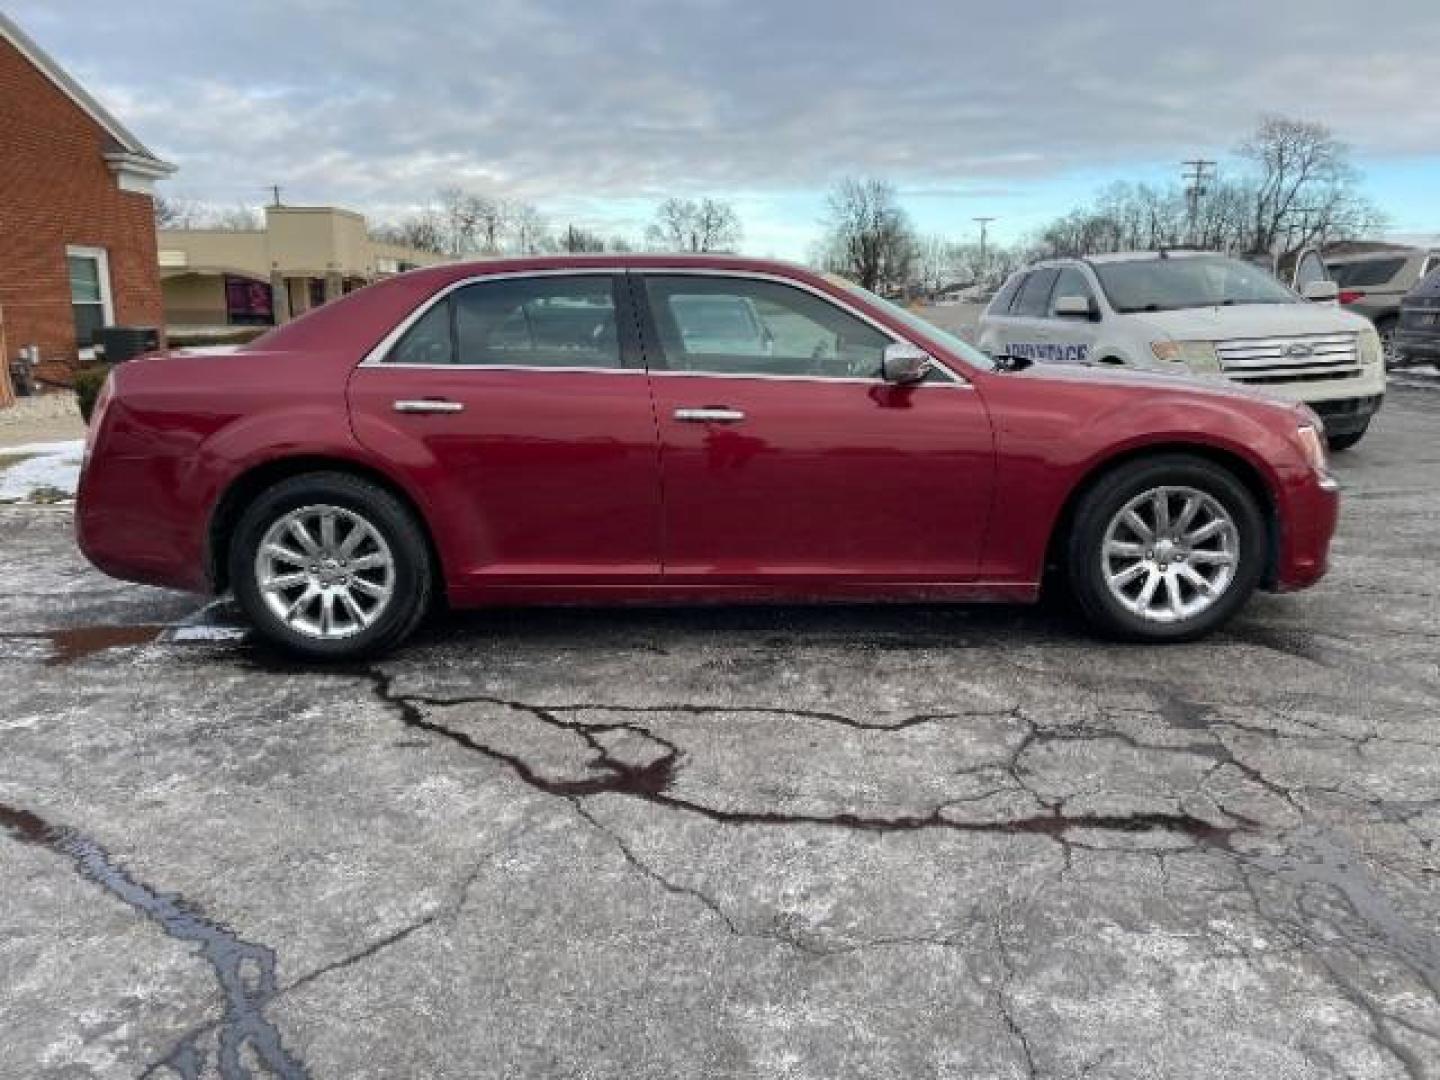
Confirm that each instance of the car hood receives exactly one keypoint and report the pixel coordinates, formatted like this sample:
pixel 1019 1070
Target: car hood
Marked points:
pixel 1251 321
pixel 1131 380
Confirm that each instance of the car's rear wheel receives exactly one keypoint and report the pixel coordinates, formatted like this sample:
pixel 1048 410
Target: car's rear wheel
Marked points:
pixel 330 566
pixel 1166 549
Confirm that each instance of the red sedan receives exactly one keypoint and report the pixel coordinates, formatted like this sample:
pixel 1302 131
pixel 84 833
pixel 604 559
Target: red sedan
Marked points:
pixel 661 428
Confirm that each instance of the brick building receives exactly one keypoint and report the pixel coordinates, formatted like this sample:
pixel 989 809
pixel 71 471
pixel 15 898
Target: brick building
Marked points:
pixel 77 221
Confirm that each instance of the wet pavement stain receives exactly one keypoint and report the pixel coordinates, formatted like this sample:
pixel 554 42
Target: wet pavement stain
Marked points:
pixel 1315 859
pixel 245 971
pixel 72 643
pixel 80 642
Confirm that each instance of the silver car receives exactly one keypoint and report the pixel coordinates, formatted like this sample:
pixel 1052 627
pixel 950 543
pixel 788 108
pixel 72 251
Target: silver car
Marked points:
pixel 1373 283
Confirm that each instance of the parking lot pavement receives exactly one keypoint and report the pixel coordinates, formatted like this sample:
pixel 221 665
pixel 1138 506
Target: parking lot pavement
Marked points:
pixel 887 842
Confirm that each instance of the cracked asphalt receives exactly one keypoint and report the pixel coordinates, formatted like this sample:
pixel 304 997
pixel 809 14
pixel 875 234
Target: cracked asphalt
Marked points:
pixel 771 842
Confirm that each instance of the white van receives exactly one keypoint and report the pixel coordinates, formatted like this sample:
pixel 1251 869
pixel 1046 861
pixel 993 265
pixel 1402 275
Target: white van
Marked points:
pixel 1199 312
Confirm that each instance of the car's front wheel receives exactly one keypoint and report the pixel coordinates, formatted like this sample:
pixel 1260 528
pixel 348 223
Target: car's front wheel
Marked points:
pixel 1347 440
pixel 1165 549
pixel 330 566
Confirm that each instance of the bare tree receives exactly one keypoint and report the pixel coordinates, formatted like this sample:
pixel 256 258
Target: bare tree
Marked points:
pixel 424 231
pixel 868 236
pixel 238 218
pixel 695 226
pixel 1293 186
pixel 172 212
pixel 529 231
pixel 940 261
pixel 576 239
pixel 1306 189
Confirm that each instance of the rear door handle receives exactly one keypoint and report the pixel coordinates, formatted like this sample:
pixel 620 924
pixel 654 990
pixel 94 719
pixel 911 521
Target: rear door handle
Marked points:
pixel 429 405
pixel 711 415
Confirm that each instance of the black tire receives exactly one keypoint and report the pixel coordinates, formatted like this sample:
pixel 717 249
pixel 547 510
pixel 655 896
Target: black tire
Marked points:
pixel 1386 329
pixel 1102 502
pixel 414 573
pixel 1340 443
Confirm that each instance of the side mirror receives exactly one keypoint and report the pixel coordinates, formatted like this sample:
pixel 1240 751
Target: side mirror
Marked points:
pixel 904 364
pixel 1073 307
pixel 1322 292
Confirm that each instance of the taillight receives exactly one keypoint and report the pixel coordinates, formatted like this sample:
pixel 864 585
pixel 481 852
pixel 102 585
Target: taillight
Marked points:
pixel 1350 296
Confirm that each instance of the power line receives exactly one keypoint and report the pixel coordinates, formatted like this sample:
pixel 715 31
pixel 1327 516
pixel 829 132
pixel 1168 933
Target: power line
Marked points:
pixel 984 224
pixel 1197 172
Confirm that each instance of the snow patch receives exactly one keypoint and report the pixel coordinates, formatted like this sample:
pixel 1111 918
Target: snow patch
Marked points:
pixel 50 466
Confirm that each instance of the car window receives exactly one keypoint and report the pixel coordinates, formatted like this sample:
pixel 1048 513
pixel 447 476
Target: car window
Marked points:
pixel 1191 281
pixel 428 341
pixel 549 321
pixel 1366 272
pixel 1034 299
pixel 1071 282
pixel 743 326
pixel 1310 269
pixel 1006 296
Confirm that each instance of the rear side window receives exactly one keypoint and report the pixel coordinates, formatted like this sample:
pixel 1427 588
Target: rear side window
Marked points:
pixel 550 321
pixel 429 341
pixel 1006 296
pixel 1366 272
pixel 1034 299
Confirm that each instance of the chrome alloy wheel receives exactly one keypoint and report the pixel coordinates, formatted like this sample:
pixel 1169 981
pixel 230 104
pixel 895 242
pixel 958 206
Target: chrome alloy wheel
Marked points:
pixel 1170 553
pixel 325 571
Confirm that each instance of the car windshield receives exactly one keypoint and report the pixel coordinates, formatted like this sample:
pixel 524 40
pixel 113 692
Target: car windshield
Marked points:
pixel 963 349
pixel 1188 282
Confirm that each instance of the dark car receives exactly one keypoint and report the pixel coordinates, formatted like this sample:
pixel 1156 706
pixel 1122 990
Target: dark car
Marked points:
pixel 571 430
pixel 1417 338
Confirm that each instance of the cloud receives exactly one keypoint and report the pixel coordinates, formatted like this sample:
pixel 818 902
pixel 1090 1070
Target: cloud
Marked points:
pixel 611 103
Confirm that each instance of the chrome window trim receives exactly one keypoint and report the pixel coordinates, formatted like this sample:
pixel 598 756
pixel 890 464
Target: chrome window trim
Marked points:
pixel 376 356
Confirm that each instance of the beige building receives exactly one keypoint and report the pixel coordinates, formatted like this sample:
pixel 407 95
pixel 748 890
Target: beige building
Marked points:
pixel 304 256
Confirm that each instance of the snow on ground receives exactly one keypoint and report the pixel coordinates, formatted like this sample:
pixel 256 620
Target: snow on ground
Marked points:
pixel 44 468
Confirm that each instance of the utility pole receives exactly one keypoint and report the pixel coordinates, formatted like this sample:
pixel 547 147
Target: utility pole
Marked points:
pixel 1197 172
pixel 984 224
pixel 275 194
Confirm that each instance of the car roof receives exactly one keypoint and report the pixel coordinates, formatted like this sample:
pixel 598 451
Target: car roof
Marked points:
pixel 1397 252
pixel 1117 257
pixel 1148 256
pixel 455 271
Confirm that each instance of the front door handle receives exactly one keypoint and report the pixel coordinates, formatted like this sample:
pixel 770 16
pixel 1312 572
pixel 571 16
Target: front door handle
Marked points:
pixel 429 405
pixel 712 415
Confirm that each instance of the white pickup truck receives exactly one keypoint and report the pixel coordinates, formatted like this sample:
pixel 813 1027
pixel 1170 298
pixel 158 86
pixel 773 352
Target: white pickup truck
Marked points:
pixel 1198 312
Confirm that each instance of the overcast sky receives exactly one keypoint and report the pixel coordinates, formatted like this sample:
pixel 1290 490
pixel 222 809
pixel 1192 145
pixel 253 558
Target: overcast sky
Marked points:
pixel 594 109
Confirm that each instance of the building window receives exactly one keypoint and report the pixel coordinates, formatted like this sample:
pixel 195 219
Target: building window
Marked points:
pixel 90 299
pixel 247 302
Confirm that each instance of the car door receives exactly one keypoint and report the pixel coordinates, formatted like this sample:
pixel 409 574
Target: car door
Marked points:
pixel 797 468
pixel 1072 337
pixel 1029 331
pixel 518 406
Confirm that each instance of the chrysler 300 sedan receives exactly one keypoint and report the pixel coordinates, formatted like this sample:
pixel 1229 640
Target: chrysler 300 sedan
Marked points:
pixel 573 430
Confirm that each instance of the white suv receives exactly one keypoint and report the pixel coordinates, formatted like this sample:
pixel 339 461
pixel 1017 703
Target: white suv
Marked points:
pixel 1197 312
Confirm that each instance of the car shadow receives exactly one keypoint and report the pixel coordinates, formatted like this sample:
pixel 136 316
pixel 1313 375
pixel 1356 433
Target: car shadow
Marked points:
pixel 887 626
